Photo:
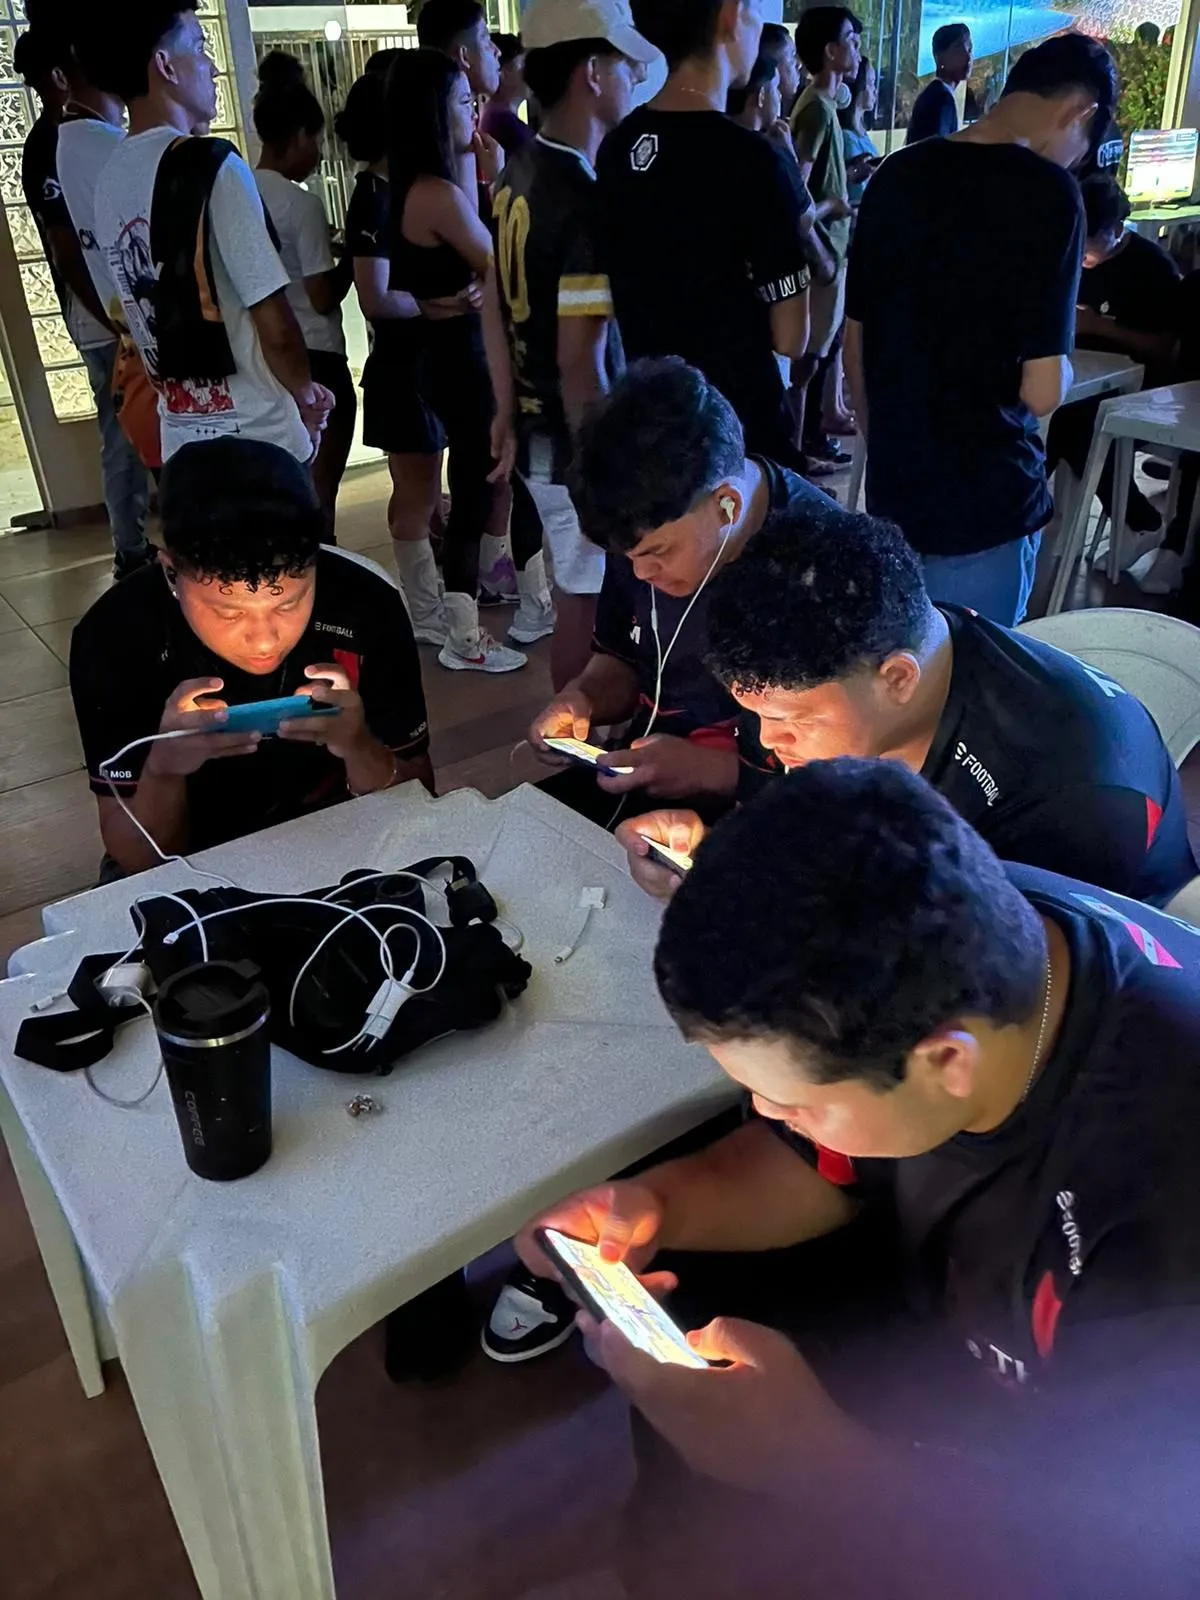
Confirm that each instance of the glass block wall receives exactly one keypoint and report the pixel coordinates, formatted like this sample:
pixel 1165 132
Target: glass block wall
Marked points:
pixel 65 374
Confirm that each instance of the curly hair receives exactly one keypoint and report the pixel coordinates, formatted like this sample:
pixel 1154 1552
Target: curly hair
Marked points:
pixel 659 440
pixel 813 599
pixel 240 511
pixel 849 912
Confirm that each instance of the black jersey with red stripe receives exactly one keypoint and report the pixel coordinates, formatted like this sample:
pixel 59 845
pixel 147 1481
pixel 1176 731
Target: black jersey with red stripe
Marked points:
pixel 1063 1247
pixel 1050 760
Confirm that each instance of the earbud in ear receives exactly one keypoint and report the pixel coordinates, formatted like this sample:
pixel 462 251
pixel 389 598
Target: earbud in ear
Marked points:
pixel 728 507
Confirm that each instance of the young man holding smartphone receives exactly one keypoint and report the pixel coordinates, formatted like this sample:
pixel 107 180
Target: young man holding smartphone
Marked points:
pixel 963 1222
pixel 825 634
pixel 665 487
pixel 244 605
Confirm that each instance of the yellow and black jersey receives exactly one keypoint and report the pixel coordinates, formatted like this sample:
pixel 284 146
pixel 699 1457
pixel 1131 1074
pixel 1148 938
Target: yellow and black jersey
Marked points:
pixel 547 267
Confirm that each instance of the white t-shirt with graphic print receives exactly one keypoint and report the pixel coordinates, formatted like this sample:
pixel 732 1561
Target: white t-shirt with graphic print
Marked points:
pixel 307 252
pixel 252 404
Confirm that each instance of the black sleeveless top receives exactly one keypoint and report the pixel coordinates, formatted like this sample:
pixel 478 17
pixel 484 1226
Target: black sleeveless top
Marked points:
pixel 427 272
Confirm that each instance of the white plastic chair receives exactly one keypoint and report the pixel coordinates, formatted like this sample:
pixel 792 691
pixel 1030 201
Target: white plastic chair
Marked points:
pixel 1169 416
pixel 1155 658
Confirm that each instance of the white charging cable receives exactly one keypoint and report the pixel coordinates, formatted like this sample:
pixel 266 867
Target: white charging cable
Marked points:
pixel 134 744
pixel 388 998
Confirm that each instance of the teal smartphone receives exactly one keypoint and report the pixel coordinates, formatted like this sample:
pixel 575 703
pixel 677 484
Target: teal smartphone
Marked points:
pixel 267 716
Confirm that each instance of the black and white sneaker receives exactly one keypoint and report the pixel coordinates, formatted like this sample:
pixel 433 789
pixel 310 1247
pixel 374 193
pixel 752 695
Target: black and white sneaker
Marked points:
pixel 531 1316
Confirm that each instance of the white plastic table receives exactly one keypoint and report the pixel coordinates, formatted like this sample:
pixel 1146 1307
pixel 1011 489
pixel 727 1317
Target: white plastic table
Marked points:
pixel 1096 372
pixel 225 1302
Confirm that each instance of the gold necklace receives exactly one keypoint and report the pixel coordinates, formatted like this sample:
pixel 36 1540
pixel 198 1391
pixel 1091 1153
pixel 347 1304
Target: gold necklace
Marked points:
pixel 706 95
pixel 1041 1038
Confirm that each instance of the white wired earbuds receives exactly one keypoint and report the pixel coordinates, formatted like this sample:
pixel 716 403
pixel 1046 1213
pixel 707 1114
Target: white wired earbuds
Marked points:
pixel 728 508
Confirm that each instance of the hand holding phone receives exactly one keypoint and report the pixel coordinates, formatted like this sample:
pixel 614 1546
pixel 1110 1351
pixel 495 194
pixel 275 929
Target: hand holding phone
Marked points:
pixel 612 1293
pixel 194 707
pixel 660 846
pixel 568 716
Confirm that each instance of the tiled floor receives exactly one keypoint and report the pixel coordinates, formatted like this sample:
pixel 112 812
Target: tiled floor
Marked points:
pixel 486 1489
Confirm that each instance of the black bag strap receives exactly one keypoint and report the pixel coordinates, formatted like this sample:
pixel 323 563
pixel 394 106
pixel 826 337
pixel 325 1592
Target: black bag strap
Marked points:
pixel 70 1040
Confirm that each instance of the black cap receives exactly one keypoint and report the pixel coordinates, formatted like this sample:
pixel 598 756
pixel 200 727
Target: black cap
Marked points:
pixel 212 1002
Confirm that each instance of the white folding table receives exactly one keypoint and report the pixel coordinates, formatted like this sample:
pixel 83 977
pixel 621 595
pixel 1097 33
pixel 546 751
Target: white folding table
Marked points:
pixel 225 1302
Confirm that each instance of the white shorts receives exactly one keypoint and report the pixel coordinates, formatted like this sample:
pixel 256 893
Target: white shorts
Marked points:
pixel 578 564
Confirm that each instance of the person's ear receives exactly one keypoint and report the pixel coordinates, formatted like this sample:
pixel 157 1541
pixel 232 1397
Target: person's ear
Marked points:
pixel 728 18
pixel 591 75
pixel 161 63
pixel 948 1062
pixel 60 80
pixel 899 677
pixel 729 503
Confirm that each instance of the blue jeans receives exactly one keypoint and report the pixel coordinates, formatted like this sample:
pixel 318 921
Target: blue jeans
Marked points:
pixel 126 482
pixel 996 583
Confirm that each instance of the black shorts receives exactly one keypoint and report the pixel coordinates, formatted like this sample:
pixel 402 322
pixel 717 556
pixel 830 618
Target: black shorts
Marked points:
pixel 395 418
pixel 334 372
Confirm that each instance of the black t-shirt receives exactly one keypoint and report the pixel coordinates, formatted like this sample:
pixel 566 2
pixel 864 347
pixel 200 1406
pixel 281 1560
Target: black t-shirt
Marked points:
pixel 1138 286
pixel 1063 1248
pixel 934 113
pixel 700 235
pixel 368 233
pixel 133 648
pixel 1050 760
pixel 43 192
pixel 544 224
pixel 953 297
pixel 693 702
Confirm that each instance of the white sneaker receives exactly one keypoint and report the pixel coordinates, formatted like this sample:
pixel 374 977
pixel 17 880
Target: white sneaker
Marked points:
pixel 1161 572
pixel 534 617
pixel 1134 547
pixel 470 648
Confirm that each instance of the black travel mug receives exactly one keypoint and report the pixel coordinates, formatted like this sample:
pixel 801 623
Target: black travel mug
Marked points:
pixel 212 1030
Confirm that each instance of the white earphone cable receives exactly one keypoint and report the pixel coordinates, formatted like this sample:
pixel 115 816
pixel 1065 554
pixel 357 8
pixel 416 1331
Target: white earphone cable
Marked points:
pixel 351 914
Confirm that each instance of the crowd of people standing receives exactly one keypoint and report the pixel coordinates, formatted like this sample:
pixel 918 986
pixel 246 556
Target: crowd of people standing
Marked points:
pixel 633 337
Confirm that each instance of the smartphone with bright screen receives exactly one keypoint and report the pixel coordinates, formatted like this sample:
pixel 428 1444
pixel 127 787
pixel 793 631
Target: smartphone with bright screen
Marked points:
pixel 610 1291
pixel 589 755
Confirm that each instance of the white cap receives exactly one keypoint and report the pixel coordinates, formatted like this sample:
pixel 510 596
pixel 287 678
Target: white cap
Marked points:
pixel 550 22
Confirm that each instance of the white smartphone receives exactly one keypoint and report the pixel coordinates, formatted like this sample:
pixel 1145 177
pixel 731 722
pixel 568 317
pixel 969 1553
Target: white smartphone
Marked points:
pixel 611 1292
pixel 676 860
pixel 588 755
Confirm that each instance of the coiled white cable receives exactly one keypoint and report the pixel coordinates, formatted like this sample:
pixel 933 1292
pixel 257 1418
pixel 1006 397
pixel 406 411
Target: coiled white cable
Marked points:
pixel 351 913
